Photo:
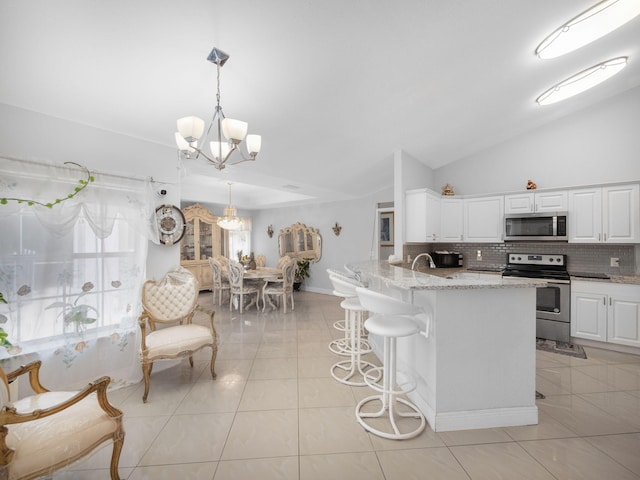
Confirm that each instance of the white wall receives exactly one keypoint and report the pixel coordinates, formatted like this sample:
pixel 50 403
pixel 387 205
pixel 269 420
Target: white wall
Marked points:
pixel 597 145
pixel 354 243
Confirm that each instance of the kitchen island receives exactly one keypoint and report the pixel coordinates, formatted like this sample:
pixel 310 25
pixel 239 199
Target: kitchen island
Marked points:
pixel 476 367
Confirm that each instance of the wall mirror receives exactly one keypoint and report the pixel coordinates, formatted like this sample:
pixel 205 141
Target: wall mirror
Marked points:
pixel 299 241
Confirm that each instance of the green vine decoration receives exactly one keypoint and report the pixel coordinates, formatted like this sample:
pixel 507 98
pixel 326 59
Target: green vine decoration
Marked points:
pixel 82 185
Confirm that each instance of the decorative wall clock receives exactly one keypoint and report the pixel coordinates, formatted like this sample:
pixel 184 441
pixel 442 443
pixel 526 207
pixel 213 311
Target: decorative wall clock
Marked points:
pixel 171 224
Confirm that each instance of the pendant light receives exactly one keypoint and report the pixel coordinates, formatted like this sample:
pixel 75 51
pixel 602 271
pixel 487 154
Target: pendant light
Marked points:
pixel 229 220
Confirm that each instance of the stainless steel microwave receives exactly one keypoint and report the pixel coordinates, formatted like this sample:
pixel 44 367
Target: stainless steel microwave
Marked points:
pixel 536 226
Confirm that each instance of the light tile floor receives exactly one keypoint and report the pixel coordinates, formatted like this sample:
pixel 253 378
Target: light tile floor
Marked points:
pixel 274 412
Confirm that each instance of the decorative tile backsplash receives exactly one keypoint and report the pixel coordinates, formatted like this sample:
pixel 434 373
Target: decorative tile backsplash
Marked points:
pixel 580 257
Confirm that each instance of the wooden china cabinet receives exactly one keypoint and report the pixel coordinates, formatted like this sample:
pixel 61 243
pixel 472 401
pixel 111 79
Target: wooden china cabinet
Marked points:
pixel 203 239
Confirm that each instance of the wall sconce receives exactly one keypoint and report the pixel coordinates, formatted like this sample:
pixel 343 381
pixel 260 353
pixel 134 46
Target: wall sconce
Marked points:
pixel 336 229
pixel 270 231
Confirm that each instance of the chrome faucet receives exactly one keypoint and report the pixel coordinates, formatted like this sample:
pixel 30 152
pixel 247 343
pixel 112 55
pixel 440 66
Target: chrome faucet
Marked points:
pixel 431 264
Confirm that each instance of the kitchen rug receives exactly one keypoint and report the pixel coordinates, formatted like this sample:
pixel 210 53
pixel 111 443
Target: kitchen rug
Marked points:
pixel 560 347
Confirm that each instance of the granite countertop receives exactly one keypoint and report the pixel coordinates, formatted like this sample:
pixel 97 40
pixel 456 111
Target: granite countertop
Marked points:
pixel 625 279
pixel 398 275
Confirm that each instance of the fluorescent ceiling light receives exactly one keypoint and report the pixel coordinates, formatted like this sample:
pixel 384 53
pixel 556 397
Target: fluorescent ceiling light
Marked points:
pixel 582 81
pixel 596 22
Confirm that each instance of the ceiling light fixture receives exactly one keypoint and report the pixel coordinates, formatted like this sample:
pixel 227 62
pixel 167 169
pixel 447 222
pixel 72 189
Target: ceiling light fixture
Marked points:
pixel 190 129
pixel 230 221
pixel 604 17
pixel 582 81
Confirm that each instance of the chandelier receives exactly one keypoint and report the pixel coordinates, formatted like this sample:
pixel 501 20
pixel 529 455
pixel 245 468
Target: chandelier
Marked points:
pixel 190 129
pixel 230 221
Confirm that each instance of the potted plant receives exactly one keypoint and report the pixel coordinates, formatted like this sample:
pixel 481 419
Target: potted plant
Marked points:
pixel 302 272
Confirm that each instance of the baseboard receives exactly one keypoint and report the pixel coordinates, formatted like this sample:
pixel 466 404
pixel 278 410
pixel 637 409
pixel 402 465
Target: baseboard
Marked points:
pixel 476 419
pixel 606 346
pixel 324 291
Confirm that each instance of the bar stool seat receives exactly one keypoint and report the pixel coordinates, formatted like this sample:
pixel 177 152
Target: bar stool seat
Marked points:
pixel 342 346
pixel 393 319
pixel 352 371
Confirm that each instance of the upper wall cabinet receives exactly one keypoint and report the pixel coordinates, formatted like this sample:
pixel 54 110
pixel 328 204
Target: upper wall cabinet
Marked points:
pixel 483 219
pixel 422 216
pixel 605 214
pixel 536 202
pixel 451 219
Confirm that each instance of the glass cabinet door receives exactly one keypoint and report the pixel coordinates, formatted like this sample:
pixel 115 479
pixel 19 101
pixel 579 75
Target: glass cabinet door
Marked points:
pixel 187 247
pixel 206 239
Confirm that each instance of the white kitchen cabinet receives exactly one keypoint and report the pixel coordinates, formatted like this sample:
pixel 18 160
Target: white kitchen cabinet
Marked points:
pixel 588 314
pixel 483 219
pixel 451 220
pixel 607 312
pixel 536 202
pixel 422 216
pixel 623 324
pixel 605 214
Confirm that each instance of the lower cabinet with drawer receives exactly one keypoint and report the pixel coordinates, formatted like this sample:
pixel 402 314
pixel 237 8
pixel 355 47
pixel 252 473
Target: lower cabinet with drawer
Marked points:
pixel 606 312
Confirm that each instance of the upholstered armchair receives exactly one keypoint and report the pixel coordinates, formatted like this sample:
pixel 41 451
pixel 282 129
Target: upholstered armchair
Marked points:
pixel 166 321
pixel 47 431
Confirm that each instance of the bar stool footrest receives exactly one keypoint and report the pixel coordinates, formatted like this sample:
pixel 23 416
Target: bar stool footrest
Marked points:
pixel 391 413
pixel 352 368
pixel 399 389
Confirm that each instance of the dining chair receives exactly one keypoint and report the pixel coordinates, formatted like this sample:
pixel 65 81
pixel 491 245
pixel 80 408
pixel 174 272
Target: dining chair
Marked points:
pixel 283 289
pixel 261 261
pixel 239 288
pixel 284 259
pixel 171 304
pixel 48 430
pixel 220 285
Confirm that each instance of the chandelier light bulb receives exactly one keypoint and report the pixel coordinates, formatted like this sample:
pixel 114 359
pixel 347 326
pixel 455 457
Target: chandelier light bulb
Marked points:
pixel 184 145
pixel 254 143
pixel 191 128
pixel 234 130
pixel 220 150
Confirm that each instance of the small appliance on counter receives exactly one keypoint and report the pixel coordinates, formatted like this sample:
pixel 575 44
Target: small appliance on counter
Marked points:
pixel 444 259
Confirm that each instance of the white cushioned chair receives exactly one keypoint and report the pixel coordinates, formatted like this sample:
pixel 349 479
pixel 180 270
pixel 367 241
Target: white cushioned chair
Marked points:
pixel 282 289
pixel 220 285
pixel 241 288
pixel 171 304
pixel 47 431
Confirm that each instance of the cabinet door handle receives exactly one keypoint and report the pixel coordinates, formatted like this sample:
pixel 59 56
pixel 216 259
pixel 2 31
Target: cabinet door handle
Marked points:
pixel 605 237
pixel 610 301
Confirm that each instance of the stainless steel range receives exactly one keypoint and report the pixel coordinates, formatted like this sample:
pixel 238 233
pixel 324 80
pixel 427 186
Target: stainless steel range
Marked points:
pixel 553 302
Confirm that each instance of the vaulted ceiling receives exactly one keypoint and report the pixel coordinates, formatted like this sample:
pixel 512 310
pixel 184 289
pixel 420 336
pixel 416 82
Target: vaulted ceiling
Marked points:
pixel 333 86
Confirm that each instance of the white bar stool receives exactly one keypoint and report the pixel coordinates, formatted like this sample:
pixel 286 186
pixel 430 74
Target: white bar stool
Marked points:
pixel 342 346
pixel 392 320
pixel 352 371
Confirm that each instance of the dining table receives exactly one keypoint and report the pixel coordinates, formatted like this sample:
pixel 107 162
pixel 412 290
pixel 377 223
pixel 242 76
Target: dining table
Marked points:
pixel 264 274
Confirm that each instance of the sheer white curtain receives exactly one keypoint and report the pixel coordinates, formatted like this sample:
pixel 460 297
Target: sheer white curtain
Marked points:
pixel 72 273
pixel 240 240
